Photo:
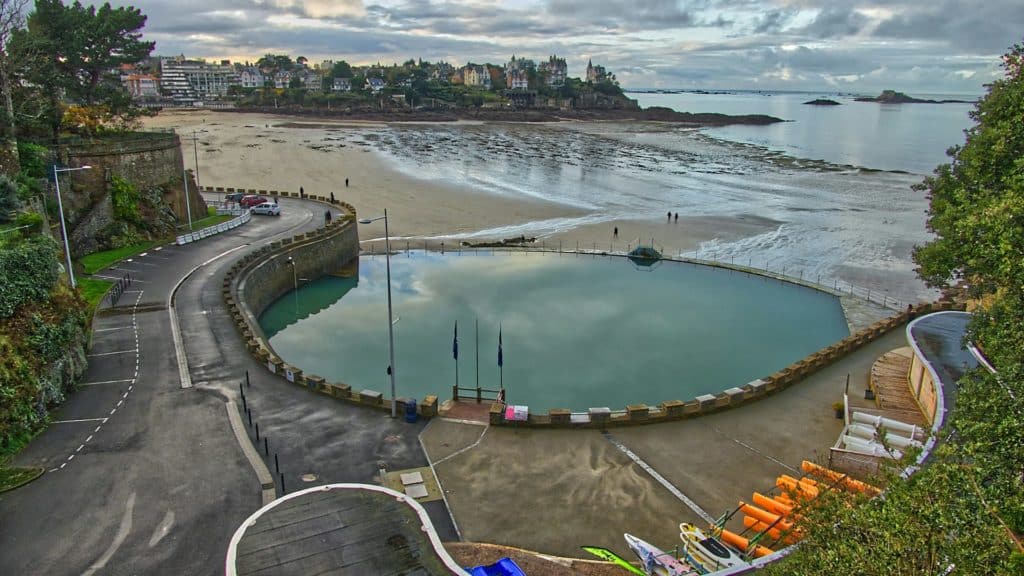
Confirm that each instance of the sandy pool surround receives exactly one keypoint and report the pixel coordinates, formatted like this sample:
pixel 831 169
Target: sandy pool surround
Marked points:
pixel 259 278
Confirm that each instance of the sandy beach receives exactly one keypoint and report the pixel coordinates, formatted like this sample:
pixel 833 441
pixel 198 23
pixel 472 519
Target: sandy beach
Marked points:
pixel 279 153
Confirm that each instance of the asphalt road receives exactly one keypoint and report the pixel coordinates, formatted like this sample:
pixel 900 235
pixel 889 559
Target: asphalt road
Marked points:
pixel 144 477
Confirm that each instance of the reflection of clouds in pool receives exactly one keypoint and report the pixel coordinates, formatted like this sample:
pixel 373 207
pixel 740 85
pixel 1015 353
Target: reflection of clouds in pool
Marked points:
pixel 574 327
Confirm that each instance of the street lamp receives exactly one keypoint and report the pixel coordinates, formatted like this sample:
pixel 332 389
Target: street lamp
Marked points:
pixel 295 286
pixel 195 152
pixel 63 226
pixel 391 331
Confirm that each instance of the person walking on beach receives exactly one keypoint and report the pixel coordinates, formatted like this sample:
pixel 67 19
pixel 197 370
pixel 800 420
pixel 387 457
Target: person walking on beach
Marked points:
pixel 615 233
pixel 302 193
pixel 332 197
pixel 346 182
pixel 669 216
pixel 677 216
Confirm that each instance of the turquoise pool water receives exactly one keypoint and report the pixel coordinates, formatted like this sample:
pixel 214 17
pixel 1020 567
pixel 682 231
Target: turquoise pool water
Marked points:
pixel 577 331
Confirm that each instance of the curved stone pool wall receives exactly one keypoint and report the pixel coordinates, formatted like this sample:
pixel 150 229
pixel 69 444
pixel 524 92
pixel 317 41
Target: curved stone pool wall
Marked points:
pixel 259 278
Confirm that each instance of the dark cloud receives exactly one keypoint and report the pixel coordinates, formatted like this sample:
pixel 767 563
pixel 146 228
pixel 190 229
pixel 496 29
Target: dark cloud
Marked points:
pixel 673 43
pixel 772 21
pixel 836 22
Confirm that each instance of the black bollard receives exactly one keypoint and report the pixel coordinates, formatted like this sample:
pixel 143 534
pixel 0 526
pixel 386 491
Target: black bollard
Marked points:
pixel 266 447
pixel 244 406
pixel 247 383
pixel 257 432
pixel 277 466
pixel 249 412
pixel 283 491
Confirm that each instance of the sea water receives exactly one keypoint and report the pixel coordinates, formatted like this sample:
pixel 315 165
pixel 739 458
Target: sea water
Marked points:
pixel 577 331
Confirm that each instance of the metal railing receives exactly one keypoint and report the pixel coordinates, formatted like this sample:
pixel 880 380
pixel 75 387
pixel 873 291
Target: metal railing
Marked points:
pixel 791 275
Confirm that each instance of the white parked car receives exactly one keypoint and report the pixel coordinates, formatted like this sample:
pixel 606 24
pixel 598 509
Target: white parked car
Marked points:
pixel 267 208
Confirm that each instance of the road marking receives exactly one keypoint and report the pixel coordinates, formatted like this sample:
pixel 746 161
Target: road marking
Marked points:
pixel 109 329
pixel 112 353
pixel 118 278
pixel 70 458
pixel 80 446
pixel 660 479
pixel 97 429
pixel 125 395
pixel 130 387
pixel 158 248
pixel 105 382
pixel 162 529
pixel 63 465
pixel 119 538
pixel 104 420
pixel 87 440
pixel 54 469
pixel 143 254
pixel 119 402
pixel 112 411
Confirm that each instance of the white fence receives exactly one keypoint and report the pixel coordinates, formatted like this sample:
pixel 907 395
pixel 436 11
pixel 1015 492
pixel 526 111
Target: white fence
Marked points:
pixel 212 230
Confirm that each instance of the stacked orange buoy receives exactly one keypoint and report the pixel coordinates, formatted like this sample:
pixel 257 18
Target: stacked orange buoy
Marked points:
pixel 775 515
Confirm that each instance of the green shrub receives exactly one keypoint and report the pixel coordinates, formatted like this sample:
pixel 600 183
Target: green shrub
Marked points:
pixel 9 201
pixel 28 271
pixel 33 220
pixel 125 199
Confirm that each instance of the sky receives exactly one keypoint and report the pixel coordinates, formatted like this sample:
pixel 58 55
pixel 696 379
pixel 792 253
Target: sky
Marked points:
pixel 862 46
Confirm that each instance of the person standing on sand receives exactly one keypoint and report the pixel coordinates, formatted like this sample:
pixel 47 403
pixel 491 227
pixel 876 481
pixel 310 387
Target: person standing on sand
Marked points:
pixel 346 182
pixel 302 193
pixel 615 233
pixel 677 216
pixel 669 216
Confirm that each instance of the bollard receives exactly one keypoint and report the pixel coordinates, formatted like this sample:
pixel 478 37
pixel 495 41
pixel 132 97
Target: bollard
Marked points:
pixel 244 406
pixel 247 383
pixel 266 447
pixel 249 412
pixel 283 492
pixel 277 465
pixel 257 432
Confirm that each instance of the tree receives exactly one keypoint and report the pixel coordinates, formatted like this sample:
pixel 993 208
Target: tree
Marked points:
pixel 341 69
pixel 70 51
pixel 11 19
pixel 965 509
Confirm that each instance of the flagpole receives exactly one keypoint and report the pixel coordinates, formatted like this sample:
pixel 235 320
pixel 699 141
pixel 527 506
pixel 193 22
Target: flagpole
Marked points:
pixel 477 352
pixel 501 365
pixel 455 349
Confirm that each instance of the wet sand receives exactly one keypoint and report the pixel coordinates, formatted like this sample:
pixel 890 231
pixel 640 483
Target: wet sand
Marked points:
pixel 283 153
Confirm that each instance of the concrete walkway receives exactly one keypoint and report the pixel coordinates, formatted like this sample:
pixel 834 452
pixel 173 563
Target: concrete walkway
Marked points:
pixel 583 490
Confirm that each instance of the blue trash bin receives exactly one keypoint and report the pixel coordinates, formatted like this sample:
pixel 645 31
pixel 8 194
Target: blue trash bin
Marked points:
pixel 410 411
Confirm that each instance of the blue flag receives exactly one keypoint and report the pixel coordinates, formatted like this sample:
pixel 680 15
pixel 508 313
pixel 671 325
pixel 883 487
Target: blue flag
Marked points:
pixel 500 359
pixel 455 342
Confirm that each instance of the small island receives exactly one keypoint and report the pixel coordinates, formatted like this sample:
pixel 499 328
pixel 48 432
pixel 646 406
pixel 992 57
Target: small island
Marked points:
pixel 822 102
pixel 894 97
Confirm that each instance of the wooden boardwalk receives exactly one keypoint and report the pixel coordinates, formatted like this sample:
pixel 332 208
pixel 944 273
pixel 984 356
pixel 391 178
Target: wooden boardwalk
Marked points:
pixel 891 385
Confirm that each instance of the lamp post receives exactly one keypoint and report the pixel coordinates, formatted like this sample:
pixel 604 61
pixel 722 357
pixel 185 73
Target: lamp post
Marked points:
pixel 188 205
pixel 391 332
pixel 295 286
pixel 63 226
pixel 195 153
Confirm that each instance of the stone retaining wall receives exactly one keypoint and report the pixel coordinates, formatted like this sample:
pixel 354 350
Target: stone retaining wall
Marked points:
pixel 678 410
pixel 262 276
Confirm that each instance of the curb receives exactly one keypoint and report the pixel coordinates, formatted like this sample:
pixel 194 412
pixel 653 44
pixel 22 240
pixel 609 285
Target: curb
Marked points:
pixel 39 472
pixel 258 466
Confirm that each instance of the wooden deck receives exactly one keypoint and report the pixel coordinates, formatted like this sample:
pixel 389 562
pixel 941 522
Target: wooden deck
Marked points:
pixel 467 410
pixel 891 385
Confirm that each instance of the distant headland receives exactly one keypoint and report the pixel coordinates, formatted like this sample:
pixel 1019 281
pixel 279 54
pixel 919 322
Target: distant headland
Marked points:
pixel 894 97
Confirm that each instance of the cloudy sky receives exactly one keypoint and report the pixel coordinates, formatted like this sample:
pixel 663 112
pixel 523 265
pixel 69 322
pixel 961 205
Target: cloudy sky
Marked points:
pixel 916 46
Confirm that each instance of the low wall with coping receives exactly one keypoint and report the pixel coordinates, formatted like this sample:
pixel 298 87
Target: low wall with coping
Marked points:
pixel 671 410
pixel 261 277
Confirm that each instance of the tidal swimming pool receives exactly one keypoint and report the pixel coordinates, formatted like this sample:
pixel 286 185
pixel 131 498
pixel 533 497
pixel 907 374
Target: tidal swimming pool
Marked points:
pixel 578 331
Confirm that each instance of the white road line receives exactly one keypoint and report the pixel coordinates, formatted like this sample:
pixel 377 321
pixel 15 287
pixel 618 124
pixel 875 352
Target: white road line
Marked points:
pixel 63 465
pixel 80 446
pixel 97 429
pixel 125 395
pixel 80 420
pixel 660 479
pixel 70 458
pixel 143 254
pixel 87 440
pixel 118 278
pixel 112 353
pixel 54 469
pixel 109 329
pixel 119 402
pixel 130 387
pixel 112 411
pixel 105 382
pixel 119 538
pixel 158 248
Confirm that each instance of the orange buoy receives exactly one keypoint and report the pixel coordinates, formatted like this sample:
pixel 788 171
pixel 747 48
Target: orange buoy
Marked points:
pixel 794 489
pixel 773 506
pixel 742 543
pixel 780 535
pixel 764 516
pixel 844 480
